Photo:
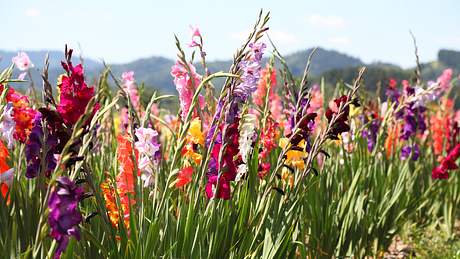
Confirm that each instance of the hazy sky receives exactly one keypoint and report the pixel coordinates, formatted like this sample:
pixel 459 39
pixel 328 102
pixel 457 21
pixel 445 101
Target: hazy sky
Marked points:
pixel 120 31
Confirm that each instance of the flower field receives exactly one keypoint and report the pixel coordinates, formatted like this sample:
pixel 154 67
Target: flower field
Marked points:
pixel 255 164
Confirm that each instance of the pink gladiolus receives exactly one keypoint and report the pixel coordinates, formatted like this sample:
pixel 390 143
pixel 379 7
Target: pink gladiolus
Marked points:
pixel 130 88
pixel 185 85
pixel 22 61
pixel 196 37
pixel 444 79
pixel 128 77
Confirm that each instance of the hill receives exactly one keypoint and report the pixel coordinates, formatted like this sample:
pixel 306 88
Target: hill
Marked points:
pixel 154 71
pixel 332 65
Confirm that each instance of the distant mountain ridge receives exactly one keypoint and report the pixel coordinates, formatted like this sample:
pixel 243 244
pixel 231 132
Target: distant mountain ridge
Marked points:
pixel 155 71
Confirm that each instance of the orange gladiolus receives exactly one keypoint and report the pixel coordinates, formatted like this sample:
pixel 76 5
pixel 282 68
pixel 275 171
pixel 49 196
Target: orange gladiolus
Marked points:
pixel 124 183
pixel 391 141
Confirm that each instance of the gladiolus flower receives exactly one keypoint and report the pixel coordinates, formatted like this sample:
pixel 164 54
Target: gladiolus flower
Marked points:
pixel 391 141
pixel 251 72
pixel 64 215
pixel 444 79
pixel 220 192
pixel 130 88
pixel 268 138
pixel 371 131
pixel 194 133
pixel 6 173
pixel 185 84
pixel 124 183
pixel 440 127
pixel 341 122
pixel 194 138
pixel 35 148
pixel 23 115
pixel 295 154
pixel 184 176
pixel 7 125
pixel 22 61
pixel 74 93
pixel 245 141
pixel 196 37
pixel 148 148
pixel 447 164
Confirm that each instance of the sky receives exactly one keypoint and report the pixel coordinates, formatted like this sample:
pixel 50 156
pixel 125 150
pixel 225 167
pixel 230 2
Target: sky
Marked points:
pixel 122 31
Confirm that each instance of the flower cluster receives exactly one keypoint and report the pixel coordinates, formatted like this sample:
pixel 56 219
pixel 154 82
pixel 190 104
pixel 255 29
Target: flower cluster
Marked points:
pixel 371 133
pixel 39 146
pixel 246 142
pixel 392 140
pixel 268 138
pixel 447 164
pixel 74 92
pixel 7 125
pixel 6 173
pixel 297 142
pixel 129 86
pixel 410 116
pixel 340 124
pixel 295 154
pixel 266 83
pixel 124 183
pixel 64 215
pixel 22 114
pixel 186 84
pixel 148 147
pixel 196 38
pixel 23 63
pixel 444 79
pixel 251 72
pixel 194 140
pixel 223 170
pixel 218 185
pixel 371 122
pixel 316 104
pixel 392 91
pixel 441 127
pixel 266 94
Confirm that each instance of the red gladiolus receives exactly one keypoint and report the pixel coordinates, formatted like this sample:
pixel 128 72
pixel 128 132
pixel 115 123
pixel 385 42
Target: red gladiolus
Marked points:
pixel 441 126
pixel 268 143
pixel 228 166
pixel 74 93
pixel 341 122
pixel 223 192
pixel 184 177
pixel 448 163
pixel 392 83
pixel 4 168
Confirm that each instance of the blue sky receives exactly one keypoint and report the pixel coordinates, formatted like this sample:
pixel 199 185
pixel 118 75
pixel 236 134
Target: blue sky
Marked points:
pixel 120 31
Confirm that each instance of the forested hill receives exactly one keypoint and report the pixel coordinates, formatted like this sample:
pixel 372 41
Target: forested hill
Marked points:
pixel 330 64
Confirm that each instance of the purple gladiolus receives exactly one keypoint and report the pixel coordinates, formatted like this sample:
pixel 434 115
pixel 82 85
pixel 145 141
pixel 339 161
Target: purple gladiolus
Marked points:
pixel 410 151
pixel 35 147
pixel 64 215
pixel 370 133
pixel 251 72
